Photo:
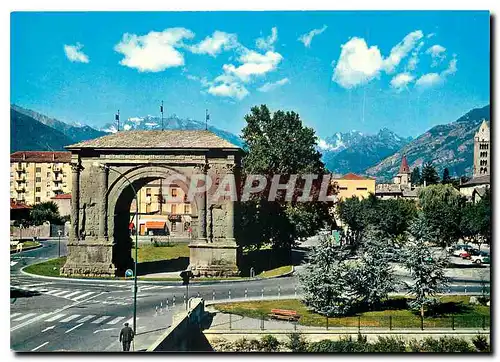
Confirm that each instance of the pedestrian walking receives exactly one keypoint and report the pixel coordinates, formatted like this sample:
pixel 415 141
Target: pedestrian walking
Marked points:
pixel 126 337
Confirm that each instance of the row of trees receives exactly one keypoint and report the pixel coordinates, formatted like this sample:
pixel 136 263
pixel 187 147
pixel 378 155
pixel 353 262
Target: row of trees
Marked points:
pixel 446 212
pixel 431 177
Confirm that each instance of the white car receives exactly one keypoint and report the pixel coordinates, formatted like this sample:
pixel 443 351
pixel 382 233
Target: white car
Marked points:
pixel 480 257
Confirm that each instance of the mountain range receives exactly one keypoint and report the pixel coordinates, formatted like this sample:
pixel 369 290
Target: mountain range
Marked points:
pixel 379 155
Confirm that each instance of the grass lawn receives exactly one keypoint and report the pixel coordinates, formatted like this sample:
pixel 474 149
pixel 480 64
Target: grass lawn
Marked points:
pixel 26 244
pixel 147 253
pixel 275 272
pixel 47 267
pixel 464 315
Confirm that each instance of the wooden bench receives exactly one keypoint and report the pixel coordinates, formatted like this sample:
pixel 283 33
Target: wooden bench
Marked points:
pixel 289 315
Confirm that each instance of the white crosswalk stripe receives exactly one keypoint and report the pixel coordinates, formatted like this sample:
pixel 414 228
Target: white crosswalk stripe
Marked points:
pixel 26 316
pixel 68 294
pixel 71 317
pixel 82 296
pixel 60 293
pixel 86 318
pixel 56 317
pixel 51 292
pixel 100 320
pixel 15 315
pixel 116 320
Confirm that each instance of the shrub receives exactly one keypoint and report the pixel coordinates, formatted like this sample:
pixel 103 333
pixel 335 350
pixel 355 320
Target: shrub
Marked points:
pixel 342 345
pixel 242 345
pixel 269 343
pixel 481 343
pixel 297 343
pixel 388 344
pixel 446 344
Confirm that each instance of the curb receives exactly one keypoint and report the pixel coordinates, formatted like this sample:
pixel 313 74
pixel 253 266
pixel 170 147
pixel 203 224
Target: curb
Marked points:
pixel 97 280
pixel 27 249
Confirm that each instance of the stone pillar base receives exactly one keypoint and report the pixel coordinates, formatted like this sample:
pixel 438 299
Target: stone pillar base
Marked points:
pixel 89 258
pixel 218 259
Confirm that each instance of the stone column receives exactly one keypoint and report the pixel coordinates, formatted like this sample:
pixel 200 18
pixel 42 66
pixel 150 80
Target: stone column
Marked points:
pixel 75 201
pixel 230 209
pixel 103 188
pixel 202 209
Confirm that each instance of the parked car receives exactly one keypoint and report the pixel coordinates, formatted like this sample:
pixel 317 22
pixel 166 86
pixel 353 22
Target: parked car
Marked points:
pixel 460 250
pixel 479 257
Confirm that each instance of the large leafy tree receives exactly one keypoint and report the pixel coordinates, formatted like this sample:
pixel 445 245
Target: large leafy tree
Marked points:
pixel 45 211
pixel 426 269
pixel 429 174
pixel 279 144
pixel 441 206
pixel 415 176
pixel 475 223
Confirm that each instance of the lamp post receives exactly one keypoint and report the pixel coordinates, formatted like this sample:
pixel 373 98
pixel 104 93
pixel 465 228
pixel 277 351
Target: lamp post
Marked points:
pixel 97 164
pixel 59 232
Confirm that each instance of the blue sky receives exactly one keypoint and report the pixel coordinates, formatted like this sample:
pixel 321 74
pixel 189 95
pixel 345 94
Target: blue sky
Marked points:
pixel 406 71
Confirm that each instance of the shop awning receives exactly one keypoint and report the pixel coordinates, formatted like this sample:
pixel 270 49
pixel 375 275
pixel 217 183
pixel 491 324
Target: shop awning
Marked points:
pixel 155 224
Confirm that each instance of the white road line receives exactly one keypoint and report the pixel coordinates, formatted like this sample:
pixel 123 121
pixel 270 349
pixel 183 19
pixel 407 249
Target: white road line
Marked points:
pixel 58 294
pixel 116 320
pixel 40 346
pixel 84 319
pixel 102 319
pixel 26 316
pixel 70 294
pixel 15 315
pixel 75 327
pixel 82 296
pixel 71 317
pixel 56 317
pixel 50 292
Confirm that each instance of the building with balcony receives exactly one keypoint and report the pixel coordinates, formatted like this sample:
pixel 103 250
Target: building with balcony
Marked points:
pixel 38 176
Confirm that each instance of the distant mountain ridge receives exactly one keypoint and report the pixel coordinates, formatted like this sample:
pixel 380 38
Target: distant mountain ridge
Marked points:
pixel 448 145
pixel 355 151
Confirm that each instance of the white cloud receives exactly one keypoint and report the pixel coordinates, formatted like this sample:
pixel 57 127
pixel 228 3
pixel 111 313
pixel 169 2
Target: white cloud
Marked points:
pixel 399 51
pixel 136 119
pixel 253 64
pixel 430 35
pixel 74 53
pixel 272 86
pixel 267 43
pixel 401 81
pixel 308 37
pixel 452 67
pixel 322 144
pixel 127 127
pixel 213 45
pixel 428 80
pixel 229 89
pixel 413 61
pixel 155 51
pixel 357 63
pixel 438 54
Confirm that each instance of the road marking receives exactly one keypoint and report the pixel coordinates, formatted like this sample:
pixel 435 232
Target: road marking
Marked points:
pixel 15 315
pixel 12 263
pixel 116 320
pixel 46 329
pixel 70 294
pixel 100 320
pixel 84 319
pixel 71 317
pixel 103 330
pixel 82 296
pixel 26 316
pixel 56 317
pixel 75 327
pixel 40 346
pixel 50 292
pixel 58 294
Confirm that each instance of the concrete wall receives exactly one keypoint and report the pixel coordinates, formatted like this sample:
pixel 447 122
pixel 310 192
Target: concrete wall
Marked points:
pixel 42 231
pixel 185 332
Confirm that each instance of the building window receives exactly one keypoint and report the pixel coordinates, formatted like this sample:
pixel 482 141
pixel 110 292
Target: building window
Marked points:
pixel 186 209
pixel 343 188
pixel 38 189
pixel 361 188
pixel 173 209
pixel 48 174
pixel 38 169
pixel 37 199
pixel 148 192
pixel 38 179
pixel 48 193
pixel 174 193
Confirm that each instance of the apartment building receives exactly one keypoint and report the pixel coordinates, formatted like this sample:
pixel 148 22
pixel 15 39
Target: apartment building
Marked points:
pixel 38 176
pixel 351 185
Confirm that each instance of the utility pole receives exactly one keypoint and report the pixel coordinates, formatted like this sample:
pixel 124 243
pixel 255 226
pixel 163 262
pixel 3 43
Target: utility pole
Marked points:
pixel 207 117
pixel 161 110
pixel 117 119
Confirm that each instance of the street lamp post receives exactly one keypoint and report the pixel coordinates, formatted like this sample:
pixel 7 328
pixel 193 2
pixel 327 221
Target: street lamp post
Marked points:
pixel 59 232
pixel 136 233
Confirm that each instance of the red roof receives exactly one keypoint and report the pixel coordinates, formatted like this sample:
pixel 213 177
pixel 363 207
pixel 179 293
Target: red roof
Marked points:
pixel 404 166
pixel 40 156
pixel 62 197
pixel 18 205
pixel 352 176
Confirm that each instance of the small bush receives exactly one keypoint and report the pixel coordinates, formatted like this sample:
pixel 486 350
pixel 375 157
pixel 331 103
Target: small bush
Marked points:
pixel 342 345
pixel 388 344
pixel 242 345
pixel 297 343
pixel 269 343
pixel 446 344
pixel 481 343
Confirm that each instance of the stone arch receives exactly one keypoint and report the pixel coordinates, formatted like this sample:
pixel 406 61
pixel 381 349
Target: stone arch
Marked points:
pixel 120 196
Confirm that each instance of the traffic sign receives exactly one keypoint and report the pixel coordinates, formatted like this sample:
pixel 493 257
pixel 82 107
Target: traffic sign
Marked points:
pixel 129 273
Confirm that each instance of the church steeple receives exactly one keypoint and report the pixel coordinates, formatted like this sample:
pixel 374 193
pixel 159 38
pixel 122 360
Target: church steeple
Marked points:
pixel 404 168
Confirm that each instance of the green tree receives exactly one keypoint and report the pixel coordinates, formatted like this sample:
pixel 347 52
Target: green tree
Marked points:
pixel 415 176
pixel 393 217
pixel 446 176
pixel 279 144
pixel 429 174
pixel 441 206
pixel 45 211
pixel 426 270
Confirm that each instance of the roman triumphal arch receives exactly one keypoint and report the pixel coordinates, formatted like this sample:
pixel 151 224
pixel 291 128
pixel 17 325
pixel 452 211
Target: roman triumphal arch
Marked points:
pixel 105 172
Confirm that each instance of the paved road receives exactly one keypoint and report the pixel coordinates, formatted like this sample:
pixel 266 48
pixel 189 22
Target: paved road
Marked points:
pixel 76 315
